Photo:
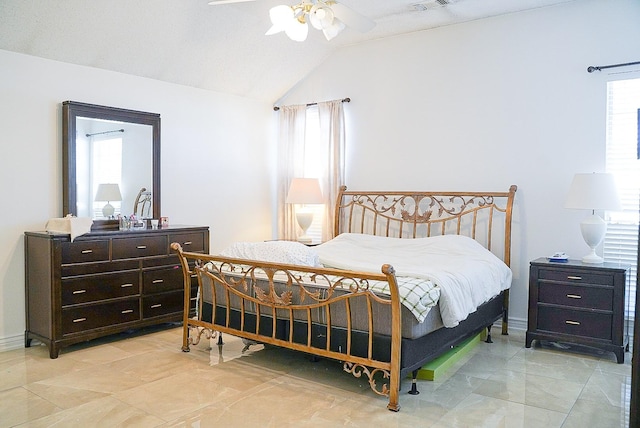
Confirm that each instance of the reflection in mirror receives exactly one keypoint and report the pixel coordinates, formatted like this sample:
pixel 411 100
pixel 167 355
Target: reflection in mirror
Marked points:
pixel 111 163
pixel 112 152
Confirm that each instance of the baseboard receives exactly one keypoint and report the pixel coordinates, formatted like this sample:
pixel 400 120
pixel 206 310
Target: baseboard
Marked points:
pixel 11 342
pixel 514 324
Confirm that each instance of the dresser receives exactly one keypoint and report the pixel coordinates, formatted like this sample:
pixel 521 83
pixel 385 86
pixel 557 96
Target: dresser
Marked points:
pixel 579 303
pixel 104 282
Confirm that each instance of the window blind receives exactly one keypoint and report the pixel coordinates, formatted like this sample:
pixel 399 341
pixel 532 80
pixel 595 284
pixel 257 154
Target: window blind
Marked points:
pixel 623 121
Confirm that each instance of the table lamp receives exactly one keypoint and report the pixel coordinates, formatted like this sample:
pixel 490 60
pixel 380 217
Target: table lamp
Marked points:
pixel 304 191
pixel 596 191
pixel 108 192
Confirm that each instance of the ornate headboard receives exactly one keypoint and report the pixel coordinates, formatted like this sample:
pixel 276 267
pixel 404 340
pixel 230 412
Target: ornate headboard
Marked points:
pixel 483 216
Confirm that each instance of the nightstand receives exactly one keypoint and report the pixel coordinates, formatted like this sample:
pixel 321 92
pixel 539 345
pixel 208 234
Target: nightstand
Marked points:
pixel 579 303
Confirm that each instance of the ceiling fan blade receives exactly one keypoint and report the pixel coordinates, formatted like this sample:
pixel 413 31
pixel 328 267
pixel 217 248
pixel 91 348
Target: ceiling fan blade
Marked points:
pixel 217 2
pixel 352 18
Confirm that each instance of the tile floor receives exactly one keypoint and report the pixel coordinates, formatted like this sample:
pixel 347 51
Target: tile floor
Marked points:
pixel 144 380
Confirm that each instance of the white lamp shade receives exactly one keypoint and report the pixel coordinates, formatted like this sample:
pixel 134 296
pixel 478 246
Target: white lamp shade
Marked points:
pixel 321 16
pixel 108 192
pixel 334 29
pixel 304 191
pixel 595 191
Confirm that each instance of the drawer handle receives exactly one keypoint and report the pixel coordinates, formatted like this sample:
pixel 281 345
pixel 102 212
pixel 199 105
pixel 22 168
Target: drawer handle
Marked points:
pixel 79 291
pixel 156 306
pixel 87 251
pixel 158 281
pixel 187 243
pixel 572 322
pixel 127 311
pixel 79 319
pixel 126 285
pixel 574 296
pixel 577 278
pixel 141 247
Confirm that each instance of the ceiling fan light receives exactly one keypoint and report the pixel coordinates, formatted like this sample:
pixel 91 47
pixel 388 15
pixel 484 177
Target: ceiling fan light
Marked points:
pixel 334 29
pixel 297 31
pixel 281 17
pixel 321 16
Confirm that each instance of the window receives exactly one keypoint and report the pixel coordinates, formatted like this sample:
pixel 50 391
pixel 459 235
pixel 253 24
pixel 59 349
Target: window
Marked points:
pixel 107 158
pixel 623 121
pixel 312 168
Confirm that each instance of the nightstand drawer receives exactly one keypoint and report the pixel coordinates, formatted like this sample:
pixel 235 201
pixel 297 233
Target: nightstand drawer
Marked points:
pixel 576 295
pixel 100 287
pixel 575 276
pixel 85 251
pixel 144 246
pixel 574 322
pixel 101 315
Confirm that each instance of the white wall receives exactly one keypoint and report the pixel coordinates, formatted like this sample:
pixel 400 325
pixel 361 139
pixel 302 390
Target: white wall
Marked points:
pixel 486 104
pixel 216 153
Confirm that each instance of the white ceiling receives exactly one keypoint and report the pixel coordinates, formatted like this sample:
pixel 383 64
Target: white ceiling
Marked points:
pixel 221 48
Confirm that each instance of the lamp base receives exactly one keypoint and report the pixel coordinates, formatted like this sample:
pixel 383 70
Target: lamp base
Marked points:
pixel 305 239
pixel 592 258
pixel 593 229
pixel 305 218
pixel 108 210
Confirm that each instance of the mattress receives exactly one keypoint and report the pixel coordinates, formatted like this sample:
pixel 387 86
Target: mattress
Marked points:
pixel 411 327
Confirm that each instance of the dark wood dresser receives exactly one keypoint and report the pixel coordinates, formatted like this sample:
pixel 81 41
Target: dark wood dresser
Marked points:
pixel 581 303
pixel 104 282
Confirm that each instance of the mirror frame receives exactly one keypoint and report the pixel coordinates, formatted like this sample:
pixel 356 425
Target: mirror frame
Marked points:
pixel 71 110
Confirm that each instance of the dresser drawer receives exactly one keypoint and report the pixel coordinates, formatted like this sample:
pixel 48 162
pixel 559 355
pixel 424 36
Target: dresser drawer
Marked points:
pixel 90 317
pixel 576 295
pixel 576 276
pixel 193 242
pixel 575 322
pixel 98 268
pixel 85 251
pixel 143 246
pixel 162 304
pixel 164 279
pixel 100 287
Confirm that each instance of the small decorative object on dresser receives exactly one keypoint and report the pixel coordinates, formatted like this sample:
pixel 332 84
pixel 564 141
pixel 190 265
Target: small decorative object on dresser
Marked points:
pixel 581 303
pixel 104 282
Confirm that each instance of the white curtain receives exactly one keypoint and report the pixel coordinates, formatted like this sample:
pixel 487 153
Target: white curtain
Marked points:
pixel 290 163
pixel 332 139
pixel 291 152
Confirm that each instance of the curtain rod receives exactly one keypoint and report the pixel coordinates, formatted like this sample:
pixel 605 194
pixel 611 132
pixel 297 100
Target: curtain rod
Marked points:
pixel 593 68
pixel 105 132
pixel 344 100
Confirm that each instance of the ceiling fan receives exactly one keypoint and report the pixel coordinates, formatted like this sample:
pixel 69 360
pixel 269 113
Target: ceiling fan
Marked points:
pixel 327 15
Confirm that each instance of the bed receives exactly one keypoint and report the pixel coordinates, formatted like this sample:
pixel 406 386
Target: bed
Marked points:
pixel 382 320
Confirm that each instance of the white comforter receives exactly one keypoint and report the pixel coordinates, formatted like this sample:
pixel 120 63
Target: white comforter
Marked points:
pixel 467 273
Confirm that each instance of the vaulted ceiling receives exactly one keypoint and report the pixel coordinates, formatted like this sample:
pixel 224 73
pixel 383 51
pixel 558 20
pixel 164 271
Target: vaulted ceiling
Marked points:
pixel 222 47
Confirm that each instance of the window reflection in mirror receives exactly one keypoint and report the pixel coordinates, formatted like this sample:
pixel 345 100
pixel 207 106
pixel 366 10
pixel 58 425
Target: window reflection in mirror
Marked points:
pixel 117 153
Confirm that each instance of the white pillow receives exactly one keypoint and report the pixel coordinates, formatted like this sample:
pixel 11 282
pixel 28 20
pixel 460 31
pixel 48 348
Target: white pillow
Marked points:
pixel 284 252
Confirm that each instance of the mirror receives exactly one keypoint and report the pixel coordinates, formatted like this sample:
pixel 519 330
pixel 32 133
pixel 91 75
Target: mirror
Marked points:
pixel 111 163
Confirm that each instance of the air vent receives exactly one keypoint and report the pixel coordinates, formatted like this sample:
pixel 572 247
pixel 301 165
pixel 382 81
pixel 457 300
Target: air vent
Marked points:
pixel 432 4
